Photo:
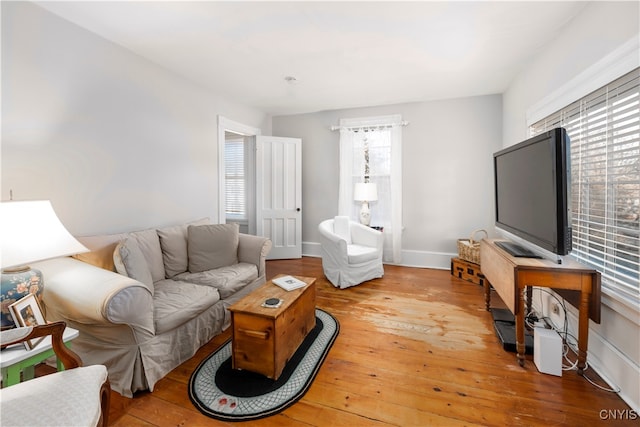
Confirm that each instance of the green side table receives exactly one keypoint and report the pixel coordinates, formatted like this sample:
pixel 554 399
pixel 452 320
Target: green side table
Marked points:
pixel 16 358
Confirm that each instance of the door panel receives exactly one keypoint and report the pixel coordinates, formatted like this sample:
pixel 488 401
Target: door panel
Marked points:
pixel 279 194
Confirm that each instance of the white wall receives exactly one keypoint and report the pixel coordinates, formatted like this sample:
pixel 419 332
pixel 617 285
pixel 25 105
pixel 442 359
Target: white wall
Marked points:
pixel 598 30
pixel 614 345
pixel 447 171
pixel 114 141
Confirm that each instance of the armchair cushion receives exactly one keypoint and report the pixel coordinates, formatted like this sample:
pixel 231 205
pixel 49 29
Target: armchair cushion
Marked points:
pixel 358 253
pixel 67 398
pixel 78 396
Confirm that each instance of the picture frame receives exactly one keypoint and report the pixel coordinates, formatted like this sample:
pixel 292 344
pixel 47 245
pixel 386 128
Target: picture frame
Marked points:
pixel 26 312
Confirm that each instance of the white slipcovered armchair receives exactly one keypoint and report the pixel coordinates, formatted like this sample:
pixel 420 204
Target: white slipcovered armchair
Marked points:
pixel 77 396
pixel 351 252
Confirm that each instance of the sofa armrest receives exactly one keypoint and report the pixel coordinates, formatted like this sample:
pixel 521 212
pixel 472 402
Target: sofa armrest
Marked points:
pixel 254 250
pixel 85 294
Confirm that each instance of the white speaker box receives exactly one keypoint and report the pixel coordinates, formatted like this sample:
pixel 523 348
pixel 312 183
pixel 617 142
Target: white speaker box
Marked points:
pixel 547 351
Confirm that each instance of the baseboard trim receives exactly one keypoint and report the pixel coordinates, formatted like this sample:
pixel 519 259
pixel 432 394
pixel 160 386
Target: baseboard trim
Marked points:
pixel 419 259
pixel 424 259
pixel 311 249
pixel 601 356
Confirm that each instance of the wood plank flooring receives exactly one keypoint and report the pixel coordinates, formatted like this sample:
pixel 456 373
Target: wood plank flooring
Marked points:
pixel 415 348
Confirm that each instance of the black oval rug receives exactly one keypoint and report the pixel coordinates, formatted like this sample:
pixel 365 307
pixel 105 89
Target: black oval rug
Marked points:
pixel 221 392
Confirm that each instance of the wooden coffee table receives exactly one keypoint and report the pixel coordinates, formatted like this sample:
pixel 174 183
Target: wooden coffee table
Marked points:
pixel 263 338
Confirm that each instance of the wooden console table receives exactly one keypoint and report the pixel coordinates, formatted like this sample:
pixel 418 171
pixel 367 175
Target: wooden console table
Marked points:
pixel 511 277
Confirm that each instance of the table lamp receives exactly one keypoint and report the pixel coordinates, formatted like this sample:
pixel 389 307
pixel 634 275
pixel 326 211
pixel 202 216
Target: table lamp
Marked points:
pixel 29 231
pixel 365 192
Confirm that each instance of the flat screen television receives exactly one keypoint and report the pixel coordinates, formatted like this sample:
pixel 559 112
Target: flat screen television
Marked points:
pixel 532 192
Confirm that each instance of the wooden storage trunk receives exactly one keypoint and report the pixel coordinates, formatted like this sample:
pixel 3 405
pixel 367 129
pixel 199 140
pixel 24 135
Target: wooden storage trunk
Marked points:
pixel 264 339
pixel 466 270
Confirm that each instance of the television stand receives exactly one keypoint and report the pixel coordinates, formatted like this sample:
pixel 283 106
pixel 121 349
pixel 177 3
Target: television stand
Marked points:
pixel 516 250
pixel 513 279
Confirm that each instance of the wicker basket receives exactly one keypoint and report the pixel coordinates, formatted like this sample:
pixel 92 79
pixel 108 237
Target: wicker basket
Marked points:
pixel 469 249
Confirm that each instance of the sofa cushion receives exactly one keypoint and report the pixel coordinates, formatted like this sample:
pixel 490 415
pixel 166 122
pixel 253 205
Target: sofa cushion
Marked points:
pixel 101 249
pixel 212 246
pixel 149 244
pixel 129 261
pixel 173 242
pixel 177 302
pixel 227 280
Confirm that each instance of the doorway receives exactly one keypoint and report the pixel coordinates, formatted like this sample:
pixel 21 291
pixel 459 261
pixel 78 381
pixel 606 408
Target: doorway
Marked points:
pixel 236 139
pixel 270 171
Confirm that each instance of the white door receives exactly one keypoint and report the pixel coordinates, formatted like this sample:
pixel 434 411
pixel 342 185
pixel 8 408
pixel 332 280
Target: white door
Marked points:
pixel 279 194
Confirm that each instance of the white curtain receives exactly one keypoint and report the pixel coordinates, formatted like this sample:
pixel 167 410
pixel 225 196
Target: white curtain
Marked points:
pixel 383 136
pixel 345 192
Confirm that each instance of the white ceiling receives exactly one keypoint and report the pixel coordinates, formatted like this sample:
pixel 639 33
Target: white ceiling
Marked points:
pixel 343 54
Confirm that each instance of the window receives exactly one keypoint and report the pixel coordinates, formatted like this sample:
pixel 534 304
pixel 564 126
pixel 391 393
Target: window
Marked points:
pixel 371 151
pixel 604 128
pixel 235 178
pixel 372 163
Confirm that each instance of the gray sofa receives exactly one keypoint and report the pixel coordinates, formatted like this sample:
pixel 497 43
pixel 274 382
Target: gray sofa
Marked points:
pixel 167 297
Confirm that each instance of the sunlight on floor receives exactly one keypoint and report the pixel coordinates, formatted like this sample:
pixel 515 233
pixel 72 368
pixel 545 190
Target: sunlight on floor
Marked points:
pixel 438 330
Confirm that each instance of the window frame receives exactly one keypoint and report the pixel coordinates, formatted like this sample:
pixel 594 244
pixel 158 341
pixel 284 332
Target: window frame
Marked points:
pixel 240 140
pixel 610 68
pixel 393 225
pixel 228 125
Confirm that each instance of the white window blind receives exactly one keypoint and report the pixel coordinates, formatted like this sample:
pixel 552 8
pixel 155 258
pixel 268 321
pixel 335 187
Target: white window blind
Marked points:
pixel 235 179
pixel 604 129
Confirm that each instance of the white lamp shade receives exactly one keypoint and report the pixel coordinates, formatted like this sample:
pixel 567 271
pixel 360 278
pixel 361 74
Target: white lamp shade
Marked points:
pixel 365 191
pixel 30 231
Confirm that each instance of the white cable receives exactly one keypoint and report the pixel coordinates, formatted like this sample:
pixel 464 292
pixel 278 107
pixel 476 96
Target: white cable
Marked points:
pixel 610 390
pixel 565 335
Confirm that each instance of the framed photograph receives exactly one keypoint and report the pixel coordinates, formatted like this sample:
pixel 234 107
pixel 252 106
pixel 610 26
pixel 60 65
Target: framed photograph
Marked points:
pixel 26 312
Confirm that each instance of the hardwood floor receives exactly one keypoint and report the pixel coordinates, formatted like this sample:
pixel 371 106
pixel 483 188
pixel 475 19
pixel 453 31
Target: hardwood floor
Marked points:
pixel 415 348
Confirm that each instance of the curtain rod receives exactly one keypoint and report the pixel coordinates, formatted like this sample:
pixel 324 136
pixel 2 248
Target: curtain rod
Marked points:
pixel 386 125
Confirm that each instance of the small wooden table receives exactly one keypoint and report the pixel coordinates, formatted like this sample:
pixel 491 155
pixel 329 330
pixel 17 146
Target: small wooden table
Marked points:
pixel 16 358
pixel 512 278
pixel 263 338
